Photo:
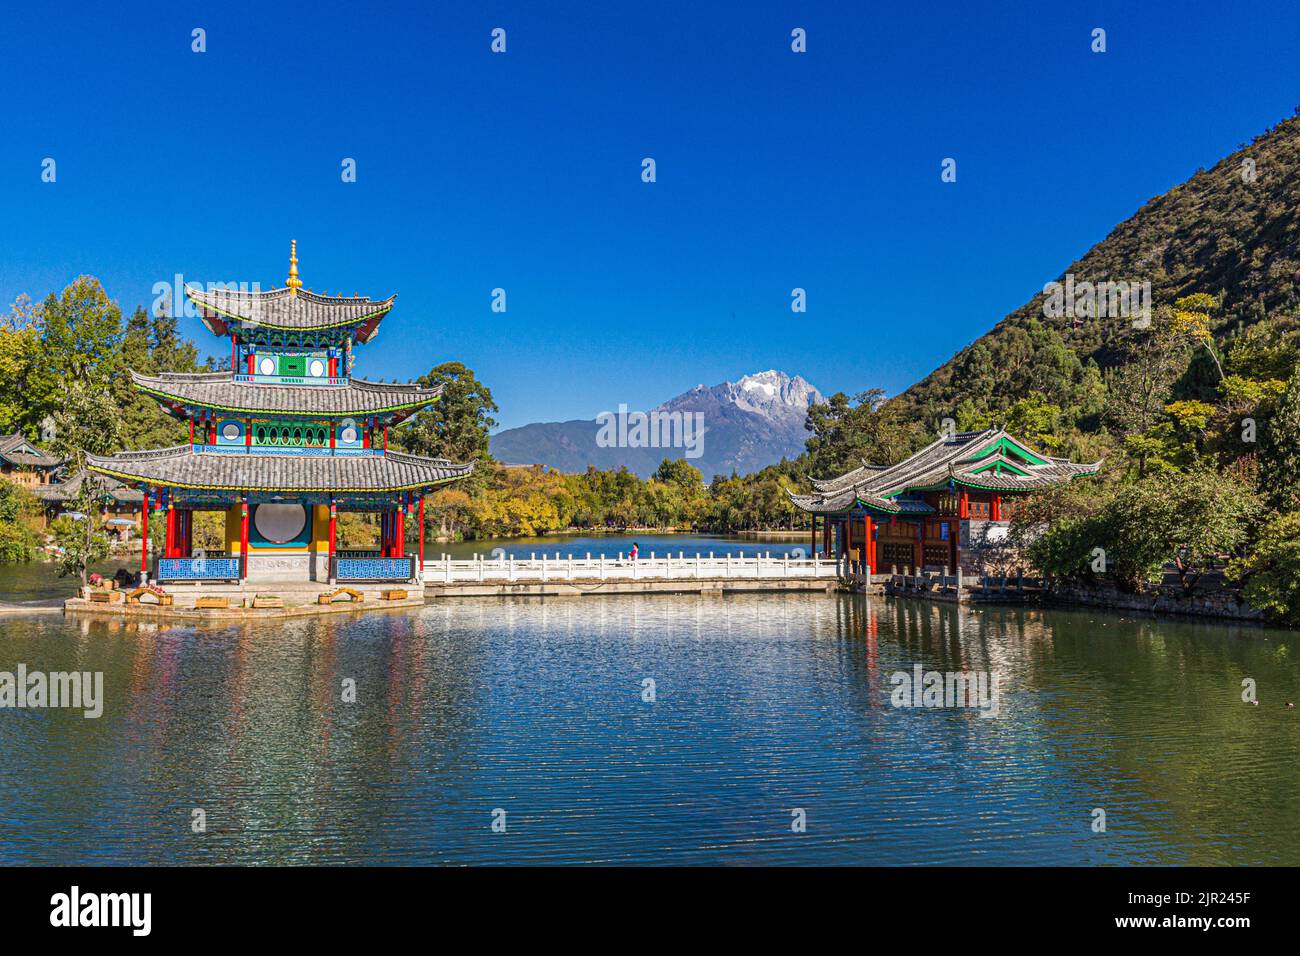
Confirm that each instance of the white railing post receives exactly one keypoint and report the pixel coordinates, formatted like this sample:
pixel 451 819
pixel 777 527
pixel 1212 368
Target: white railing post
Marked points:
pixel 511 562
pixel 602 565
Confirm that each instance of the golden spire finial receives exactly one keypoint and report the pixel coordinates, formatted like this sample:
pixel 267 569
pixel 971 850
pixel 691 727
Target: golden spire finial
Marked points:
pixel 293 282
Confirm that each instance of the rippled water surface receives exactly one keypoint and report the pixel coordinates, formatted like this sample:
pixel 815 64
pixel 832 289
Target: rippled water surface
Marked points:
pixel 764 704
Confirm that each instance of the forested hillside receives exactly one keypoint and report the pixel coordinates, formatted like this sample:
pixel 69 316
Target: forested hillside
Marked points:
pixel 1232 231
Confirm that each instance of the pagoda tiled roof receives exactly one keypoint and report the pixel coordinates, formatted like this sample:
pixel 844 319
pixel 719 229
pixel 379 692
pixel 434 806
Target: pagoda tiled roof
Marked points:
pixel 67 490
pixel 289 310
pixel 219 390
pixel 10 451
pixel 182 467
pixel 967 459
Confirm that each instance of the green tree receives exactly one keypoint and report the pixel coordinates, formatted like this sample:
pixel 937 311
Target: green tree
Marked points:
pixel 845 432
pixel 1187 519
pixel 1279 453
pixel 1136 530
pixel 151 346
pixel 1036 420
pixel 19 343
pixel 86 422
pixel 81 332
pixel 1271 571
pixel 18 507
pixel 456 426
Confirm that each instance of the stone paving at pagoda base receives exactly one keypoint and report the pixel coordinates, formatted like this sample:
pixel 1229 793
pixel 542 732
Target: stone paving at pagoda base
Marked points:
pixel 252 601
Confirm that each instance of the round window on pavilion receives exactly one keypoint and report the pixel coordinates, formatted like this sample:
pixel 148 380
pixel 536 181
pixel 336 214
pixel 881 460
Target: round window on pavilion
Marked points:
pixel 266 365
pixel 280 523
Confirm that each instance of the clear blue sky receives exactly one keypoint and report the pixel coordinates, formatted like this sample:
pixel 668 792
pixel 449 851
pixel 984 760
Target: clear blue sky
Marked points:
pixel 522 170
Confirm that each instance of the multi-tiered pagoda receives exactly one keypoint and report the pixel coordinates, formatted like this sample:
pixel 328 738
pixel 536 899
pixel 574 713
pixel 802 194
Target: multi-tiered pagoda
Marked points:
pixel 935 509
pixel 282 443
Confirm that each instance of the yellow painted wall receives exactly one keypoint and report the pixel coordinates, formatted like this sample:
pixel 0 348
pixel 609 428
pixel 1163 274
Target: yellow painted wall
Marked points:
pixel 234 529
pixel 320 529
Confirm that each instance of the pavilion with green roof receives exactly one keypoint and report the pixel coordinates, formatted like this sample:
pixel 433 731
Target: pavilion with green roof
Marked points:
pixel 930 510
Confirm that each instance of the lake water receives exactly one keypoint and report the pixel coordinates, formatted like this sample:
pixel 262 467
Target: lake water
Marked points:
pixel 764 705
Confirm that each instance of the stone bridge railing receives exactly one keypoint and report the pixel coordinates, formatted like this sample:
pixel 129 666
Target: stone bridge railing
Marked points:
pixel 557 567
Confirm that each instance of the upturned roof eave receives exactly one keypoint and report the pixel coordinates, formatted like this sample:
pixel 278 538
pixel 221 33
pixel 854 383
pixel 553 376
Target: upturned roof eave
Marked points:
pixel 118 467
pixel 369 318
pixel 158 388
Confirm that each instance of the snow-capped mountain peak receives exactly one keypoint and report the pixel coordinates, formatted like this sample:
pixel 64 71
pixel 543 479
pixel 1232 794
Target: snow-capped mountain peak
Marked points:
pixel 749 423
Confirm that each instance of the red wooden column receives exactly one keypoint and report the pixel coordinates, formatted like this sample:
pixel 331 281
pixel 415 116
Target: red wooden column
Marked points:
pixel 918 547
pixel 385 439
pixel 169 546
pixel 243 538
pixel 869 545
pixel 334 511
pixel 329 573
pixel 995 508
pixel 963 509
pixel 144 533
pixel 420 550
pixel 814 534
pixel 399 532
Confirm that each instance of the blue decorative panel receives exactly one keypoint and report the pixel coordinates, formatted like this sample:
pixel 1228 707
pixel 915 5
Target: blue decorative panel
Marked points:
pixel 374 569
pixel 347 434
pixel 230 431
pixel 198 569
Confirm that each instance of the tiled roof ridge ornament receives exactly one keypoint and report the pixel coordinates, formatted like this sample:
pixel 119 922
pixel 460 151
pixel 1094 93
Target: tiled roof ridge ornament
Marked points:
pixel 293 283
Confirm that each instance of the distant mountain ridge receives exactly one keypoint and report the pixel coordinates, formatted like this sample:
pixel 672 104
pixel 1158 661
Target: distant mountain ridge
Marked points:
pixel 748 424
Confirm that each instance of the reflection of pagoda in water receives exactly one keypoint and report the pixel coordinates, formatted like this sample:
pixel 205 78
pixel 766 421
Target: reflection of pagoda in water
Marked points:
pixel 283 441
